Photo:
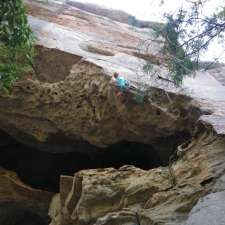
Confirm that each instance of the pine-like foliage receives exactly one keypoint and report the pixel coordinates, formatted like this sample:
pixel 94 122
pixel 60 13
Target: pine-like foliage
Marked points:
pixel 16 43
pixel 188 34
pixel 178 62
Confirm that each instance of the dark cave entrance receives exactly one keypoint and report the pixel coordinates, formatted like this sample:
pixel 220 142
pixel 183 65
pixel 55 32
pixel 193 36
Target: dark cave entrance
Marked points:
pixel 42 169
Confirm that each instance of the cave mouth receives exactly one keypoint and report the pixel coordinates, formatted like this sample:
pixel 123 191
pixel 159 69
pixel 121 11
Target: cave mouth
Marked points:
pixel 42 169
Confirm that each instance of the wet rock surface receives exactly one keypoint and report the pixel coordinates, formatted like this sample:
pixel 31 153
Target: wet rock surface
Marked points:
pixel 84 107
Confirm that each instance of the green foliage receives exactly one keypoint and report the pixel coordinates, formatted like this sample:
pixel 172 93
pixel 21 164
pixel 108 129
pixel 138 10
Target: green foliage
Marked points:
pixel 147 67
pixel 179 63
pixel 139 97
pixel 187 34
pixel 16 43
pixel 157 29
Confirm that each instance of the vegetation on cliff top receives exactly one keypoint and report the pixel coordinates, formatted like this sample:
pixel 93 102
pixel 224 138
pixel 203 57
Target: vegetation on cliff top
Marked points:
pixel 16 43
pixel 188 34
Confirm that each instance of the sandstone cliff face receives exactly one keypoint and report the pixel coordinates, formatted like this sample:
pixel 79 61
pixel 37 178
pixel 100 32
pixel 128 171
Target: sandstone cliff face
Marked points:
pixel 71 95
pixel 84 106
pixel 159 196
pixel 70 101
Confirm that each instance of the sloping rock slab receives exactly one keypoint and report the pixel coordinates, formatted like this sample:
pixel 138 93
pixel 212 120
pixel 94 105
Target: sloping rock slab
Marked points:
pixel 209 210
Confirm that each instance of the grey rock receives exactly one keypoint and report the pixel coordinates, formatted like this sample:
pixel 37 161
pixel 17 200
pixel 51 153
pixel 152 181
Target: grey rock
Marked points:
pixel 210 210
pixel 220 184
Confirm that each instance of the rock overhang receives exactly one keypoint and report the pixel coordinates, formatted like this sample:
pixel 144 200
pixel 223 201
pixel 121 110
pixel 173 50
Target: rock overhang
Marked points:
pixel 72 96
pixel 81 104
pixel 82 77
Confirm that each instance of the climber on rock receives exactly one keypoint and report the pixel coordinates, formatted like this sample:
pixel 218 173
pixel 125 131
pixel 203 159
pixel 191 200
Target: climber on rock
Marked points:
pixel 121 82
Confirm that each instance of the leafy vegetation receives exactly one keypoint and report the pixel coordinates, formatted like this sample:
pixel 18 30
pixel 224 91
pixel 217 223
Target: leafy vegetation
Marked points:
pixel 16 43
pixel 178 62
pixel 187 34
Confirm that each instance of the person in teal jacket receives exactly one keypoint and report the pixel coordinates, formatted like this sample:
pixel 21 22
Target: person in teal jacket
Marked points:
pixel 121 82
pixel 123 85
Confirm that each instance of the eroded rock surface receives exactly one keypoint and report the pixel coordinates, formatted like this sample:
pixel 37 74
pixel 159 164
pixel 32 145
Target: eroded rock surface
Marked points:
pixel 162 196
pixel 87 109
pixel 70 101
pixel 71 98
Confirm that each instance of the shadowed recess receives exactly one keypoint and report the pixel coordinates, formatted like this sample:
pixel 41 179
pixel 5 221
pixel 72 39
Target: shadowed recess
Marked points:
pixel 42 169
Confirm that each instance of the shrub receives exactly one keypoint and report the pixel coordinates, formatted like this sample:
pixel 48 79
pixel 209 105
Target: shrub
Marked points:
pixel 16 43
